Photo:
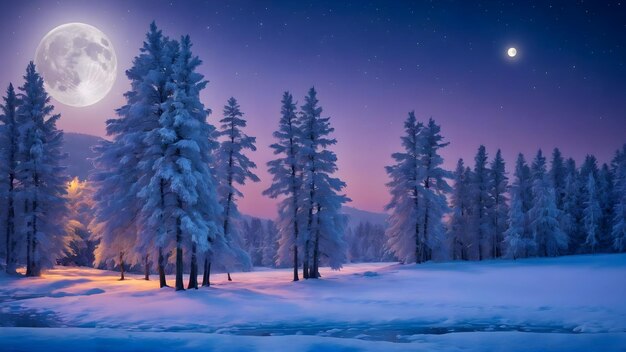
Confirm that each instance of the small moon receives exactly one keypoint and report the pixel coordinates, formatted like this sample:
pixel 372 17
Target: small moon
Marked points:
pixel 512 52
pixel 78 64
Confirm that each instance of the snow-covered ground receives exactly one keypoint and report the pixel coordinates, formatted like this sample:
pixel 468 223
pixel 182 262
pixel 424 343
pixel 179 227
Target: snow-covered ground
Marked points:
pixel 575 303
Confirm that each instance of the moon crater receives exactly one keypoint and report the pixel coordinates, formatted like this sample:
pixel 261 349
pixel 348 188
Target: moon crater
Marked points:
pixel 78 64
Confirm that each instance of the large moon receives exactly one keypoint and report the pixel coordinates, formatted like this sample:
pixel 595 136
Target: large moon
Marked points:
pixel 78 64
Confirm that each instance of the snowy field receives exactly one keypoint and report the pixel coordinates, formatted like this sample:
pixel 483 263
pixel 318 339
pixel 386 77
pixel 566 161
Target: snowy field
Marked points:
pixel 575 303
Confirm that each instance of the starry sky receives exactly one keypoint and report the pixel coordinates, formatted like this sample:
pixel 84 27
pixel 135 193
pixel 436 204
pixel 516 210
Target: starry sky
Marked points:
pixel 372 62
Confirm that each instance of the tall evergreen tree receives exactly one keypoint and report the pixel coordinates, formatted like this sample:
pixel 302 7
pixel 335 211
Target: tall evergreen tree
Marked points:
pixel 403 234
pixel 80 216
pixel 592 215
pixel 418 189
pixel 366 242
pixel 618 231
pixel 182 176
pixel 42 179
pixel 499 204
pixel 606 200
pixel 516 245
pixel 233 168
pixel 544 215
pixel 253 233
pixel 519 239
pixel 270 245
pixel 435 188
pixel 557 176
pixel 127 231
pixel 589 166
pixel 321 191
pixel 460 216
pixel 9 150
pixel 482 202
pixel 286 183
pixel 570 215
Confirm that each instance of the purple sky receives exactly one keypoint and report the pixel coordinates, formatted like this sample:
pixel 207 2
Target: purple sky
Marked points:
pixel 371 63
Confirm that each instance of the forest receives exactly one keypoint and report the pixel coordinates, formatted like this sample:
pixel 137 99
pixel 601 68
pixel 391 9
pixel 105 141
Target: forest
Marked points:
pixel 163 197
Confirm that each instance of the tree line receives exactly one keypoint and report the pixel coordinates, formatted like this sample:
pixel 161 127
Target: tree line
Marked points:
pixel 547 210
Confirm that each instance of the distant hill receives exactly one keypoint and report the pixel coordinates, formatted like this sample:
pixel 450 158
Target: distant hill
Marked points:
pixel 356 216
pixel 78 146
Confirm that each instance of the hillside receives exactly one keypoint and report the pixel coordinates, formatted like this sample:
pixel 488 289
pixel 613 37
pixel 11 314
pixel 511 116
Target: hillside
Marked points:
pixel 356 216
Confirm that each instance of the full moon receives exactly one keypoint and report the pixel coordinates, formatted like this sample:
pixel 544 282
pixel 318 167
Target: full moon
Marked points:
pixel 511 52
pixel 78 64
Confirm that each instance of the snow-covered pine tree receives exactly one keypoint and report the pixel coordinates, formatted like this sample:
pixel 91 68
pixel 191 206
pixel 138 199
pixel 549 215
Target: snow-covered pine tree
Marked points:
pixel 286 183
pixel 366 242
pixel 592 215
pixel 80 216
pixel 270 244
pixel 435 188
pixel 182 174
pixel 544 215
pixel 499 204
pixel 374 244
pixel 570 215
pixel 518 239
pixel 606 200
pixel 9 156
pixel 618 232
pixel 41 178
pixel 233 168
pixel 320 196
pixel 481 223
pixel 516 244
pixel 253 233
pixel 557 176
pixel 403 234
pixel 124 165
pixel 459 217
pixel 589 166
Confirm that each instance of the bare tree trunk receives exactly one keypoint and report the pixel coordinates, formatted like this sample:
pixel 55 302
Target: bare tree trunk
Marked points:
pixel 162 280
pixel 295 261
pixel 180 286
pixel 161 260
pixel 426 251
pixel 418 242
pixel 31 262
pixel 146 267
pixel 229 278
pixel 294 191
pixel 314 274
pixel 35 269
pixel 10 230
pixel 193 273
pixel 305 261
pixel 424 254
pixel 207 271
pixel 480 232
pixel 121 266
pixel 28 242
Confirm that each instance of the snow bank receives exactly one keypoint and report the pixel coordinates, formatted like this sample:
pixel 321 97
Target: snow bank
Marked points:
pixel 532 302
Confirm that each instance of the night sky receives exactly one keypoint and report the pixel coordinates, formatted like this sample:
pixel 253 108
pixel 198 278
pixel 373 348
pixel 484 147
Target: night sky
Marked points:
pixel 371 63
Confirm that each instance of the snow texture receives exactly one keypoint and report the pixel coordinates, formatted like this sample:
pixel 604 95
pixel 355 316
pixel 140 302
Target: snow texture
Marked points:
pixel 545 304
